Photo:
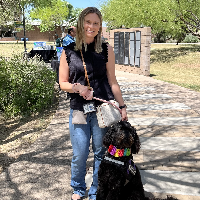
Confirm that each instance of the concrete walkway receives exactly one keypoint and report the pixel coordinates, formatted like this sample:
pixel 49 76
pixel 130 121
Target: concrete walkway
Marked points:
pixel 167 119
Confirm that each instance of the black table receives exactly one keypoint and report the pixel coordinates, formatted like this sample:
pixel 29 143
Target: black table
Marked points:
pixel 46 55
pixel 55 66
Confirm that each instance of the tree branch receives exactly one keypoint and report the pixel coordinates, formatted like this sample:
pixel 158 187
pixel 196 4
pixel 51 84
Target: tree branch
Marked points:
pixel 194 33
pixel 193 20
pixel 189 24
pixel 194 16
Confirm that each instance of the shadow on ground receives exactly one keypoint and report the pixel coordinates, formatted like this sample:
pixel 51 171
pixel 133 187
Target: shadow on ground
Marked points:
pixel 167 55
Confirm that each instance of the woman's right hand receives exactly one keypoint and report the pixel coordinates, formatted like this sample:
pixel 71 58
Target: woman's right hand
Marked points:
pixel 124 114
pixel 85 92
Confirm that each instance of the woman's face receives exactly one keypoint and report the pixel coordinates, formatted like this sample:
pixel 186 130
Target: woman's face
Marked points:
pixel 91 25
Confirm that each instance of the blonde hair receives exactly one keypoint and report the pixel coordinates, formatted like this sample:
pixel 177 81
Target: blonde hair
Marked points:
pixel 80 34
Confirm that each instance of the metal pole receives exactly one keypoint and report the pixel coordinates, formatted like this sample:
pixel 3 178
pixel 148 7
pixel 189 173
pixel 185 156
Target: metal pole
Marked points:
pixel 24 32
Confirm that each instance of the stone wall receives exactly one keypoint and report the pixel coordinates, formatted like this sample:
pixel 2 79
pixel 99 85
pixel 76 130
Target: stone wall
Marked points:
pixel 8 39
pixel 144 68
pixel 36 35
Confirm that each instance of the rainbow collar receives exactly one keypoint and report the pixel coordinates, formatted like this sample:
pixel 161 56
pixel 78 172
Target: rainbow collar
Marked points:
pixel 119 152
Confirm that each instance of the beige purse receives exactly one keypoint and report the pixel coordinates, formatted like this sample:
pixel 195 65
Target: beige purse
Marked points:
pixel 78 117
pixel 108 112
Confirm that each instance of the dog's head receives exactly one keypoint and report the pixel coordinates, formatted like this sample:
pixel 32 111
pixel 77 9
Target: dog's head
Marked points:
pixel 122 135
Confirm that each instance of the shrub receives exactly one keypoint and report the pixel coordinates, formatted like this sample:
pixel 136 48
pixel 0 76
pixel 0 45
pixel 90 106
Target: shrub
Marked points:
pixel 26 86
pixel 190 39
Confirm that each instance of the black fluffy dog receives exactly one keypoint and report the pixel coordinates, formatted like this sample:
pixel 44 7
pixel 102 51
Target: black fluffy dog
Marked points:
pixel 118 176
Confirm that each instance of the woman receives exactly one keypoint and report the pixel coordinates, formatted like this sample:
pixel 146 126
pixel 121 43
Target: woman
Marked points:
pixel 100 64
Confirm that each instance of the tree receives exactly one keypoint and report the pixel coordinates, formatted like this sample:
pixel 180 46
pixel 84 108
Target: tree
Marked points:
pixel 188 11
pixel 11 10
pixel 57 13
pixel 52 15
pixel 73 16
pixel 173 17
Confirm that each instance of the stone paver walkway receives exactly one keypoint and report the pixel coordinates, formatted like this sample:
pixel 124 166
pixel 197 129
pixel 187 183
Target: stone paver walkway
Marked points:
pixel 167 119
pixel 169 129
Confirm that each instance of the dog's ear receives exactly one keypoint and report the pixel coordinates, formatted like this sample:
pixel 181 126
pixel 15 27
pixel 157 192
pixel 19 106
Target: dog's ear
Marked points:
pixel 136 145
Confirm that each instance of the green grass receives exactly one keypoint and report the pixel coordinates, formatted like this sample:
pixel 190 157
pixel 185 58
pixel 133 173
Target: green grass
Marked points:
pixel 177 64
pixel 7 49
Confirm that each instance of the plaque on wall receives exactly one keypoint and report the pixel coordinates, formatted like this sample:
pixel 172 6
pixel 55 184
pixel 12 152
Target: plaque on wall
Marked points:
pixel 132 48
pixel 137 48
pixel 126 51
pixel 121 48
pixel 116 47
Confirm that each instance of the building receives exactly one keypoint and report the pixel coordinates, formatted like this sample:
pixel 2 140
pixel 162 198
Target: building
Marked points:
pixel 8 34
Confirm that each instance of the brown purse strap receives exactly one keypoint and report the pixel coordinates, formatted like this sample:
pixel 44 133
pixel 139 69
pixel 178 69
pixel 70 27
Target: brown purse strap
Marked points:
pixel 84 65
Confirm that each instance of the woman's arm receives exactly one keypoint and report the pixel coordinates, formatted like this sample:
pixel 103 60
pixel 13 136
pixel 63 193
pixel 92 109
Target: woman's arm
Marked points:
pixel 64 80
pixel 64 74
pixel 110 65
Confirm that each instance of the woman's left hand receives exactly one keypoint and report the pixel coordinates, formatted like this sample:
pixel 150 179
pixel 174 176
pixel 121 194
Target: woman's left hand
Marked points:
pixel 124 114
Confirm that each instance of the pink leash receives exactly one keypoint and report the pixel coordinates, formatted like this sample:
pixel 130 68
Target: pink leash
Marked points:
pixel 108 103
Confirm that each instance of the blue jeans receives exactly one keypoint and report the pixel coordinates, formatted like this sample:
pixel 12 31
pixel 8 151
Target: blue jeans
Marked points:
pixel 80 135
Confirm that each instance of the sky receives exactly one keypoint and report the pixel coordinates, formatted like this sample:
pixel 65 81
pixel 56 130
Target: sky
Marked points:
pixel 85 3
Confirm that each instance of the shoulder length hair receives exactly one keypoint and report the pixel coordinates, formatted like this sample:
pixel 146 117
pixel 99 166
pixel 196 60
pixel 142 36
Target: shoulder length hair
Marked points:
pixel 80 35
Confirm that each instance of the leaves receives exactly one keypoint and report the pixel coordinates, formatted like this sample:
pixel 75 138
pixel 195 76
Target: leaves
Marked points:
pixel 174 17
pixel 51 15
pixel 56 13
pixel 10 9
pixel 26 86
pixel 50 12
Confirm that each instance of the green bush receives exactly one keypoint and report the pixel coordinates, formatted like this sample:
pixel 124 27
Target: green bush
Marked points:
pixel 190 39
pixel 26 86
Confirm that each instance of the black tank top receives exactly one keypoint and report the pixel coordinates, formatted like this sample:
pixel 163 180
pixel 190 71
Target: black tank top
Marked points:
pixel 96 70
